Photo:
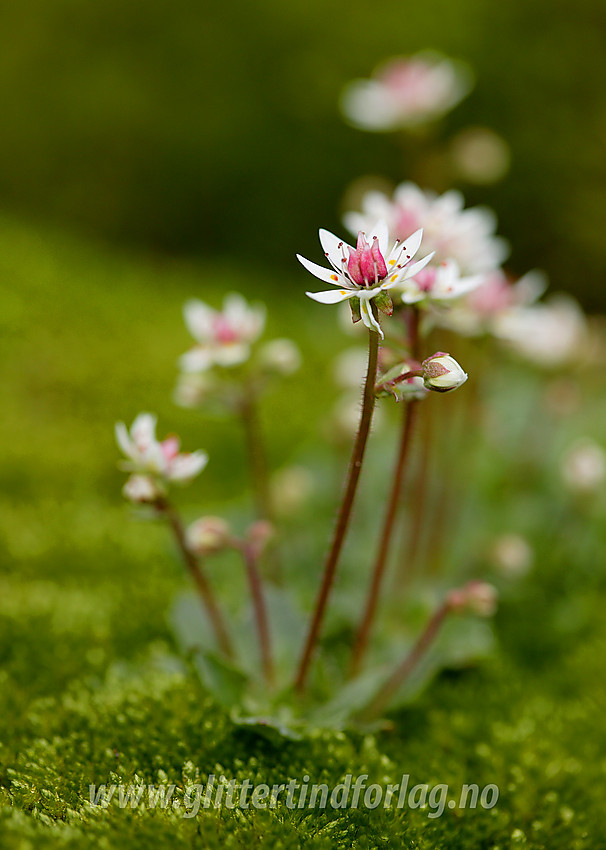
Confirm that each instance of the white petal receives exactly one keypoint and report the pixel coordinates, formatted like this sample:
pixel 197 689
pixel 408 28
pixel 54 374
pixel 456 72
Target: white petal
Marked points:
pixel 186 466
pixel 143 429
pixel 123 440
pixel 198 318
pixel 333 247
pixel 197 359
pixel 331 296
pixel 411 271
pixel 405 250
pixel 368 317
pixel 327 275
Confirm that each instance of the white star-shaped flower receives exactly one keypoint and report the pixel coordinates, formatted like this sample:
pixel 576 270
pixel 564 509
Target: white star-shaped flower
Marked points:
pixel 367 271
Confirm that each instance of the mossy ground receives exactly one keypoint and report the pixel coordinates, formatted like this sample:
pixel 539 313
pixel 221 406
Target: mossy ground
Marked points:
pixel 92 690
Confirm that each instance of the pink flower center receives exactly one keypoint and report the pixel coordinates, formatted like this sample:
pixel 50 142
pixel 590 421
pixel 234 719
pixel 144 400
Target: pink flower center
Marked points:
pixel 366 265
pixel 170 448
pixel 223 332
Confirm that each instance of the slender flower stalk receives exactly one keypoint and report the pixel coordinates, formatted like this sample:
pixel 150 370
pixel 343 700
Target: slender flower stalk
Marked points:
pixel 366 623
pixel 249 556
pixel 355 467
pixel 256 453
pixel 411 319
pixel 196 571
pixel 406 667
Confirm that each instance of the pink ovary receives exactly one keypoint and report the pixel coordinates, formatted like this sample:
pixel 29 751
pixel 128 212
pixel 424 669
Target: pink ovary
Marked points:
pixel 366 266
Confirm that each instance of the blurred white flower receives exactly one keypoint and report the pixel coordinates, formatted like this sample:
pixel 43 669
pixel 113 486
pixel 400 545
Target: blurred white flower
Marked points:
pixel 291 487
pixel 223 336
pixel 442 373
pixel 583 466
pixel 147 456
pixel 406 92
pixel 193 389
pixel 549 334
pixel 439 283
pixel 476 313
pixel 365 272
pixel 349 368
pixel 479 155
pixel 511 554
pixel 344 418
pixel 450 231
pixel 280 356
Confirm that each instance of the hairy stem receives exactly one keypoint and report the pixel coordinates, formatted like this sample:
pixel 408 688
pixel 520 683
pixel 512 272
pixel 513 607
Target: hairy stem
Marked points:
pixel 366 623
pixel 196 571
pixel 355 466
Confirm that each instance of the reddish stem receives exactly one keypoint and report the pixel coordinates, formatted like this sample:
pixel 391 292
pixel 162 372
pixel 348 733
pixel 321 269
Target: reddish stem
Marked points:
pixel 196 571
pixel 355 466
pixel 365 627
pixel 405 668
pixel 260 611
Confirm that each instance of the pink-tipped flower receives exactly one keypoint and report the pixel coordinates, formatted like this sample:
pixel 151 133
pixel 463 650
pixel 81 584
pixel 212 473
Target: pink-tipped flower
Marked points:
pixel 406 92
pixel 476 597
pixel 450 231
pixel 442 373
pixel 365 272
pixel 148 456
pixel 223 336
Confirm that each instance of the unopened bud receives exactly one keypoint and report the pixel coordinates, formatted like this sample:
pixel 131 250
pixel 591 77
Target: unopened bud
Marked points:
pixel 476 597
pixel 141 489
pixel 207 535
pixel 442 373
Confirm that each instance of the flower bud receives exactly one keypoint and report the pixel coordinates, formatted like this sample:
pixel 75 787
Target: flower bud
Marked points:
pixel 141 489
pixel 476 597
pixel 207 535
pixel 442 373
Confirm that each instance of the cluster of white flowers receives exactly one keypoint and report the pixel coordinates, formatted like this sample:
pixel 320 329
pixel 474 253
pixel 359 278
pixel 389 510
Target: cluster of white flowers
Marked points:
pixel 406 92
pixel 450 231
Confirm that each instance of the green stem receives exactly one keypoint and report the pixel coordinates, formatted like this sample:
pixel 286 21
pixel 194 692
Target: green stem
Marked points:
pixel 355 466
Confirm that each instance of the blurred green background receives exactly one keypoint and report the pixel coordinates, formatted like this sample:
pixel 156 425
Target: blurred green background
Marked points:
pixel 191 127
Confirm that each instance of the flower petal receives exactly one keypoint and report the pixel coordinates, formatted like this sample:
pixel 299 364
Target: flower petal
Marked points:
pixel 368 317
pixel 415 268
pixel 334 247
pixel 331 296
pixel 327 275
